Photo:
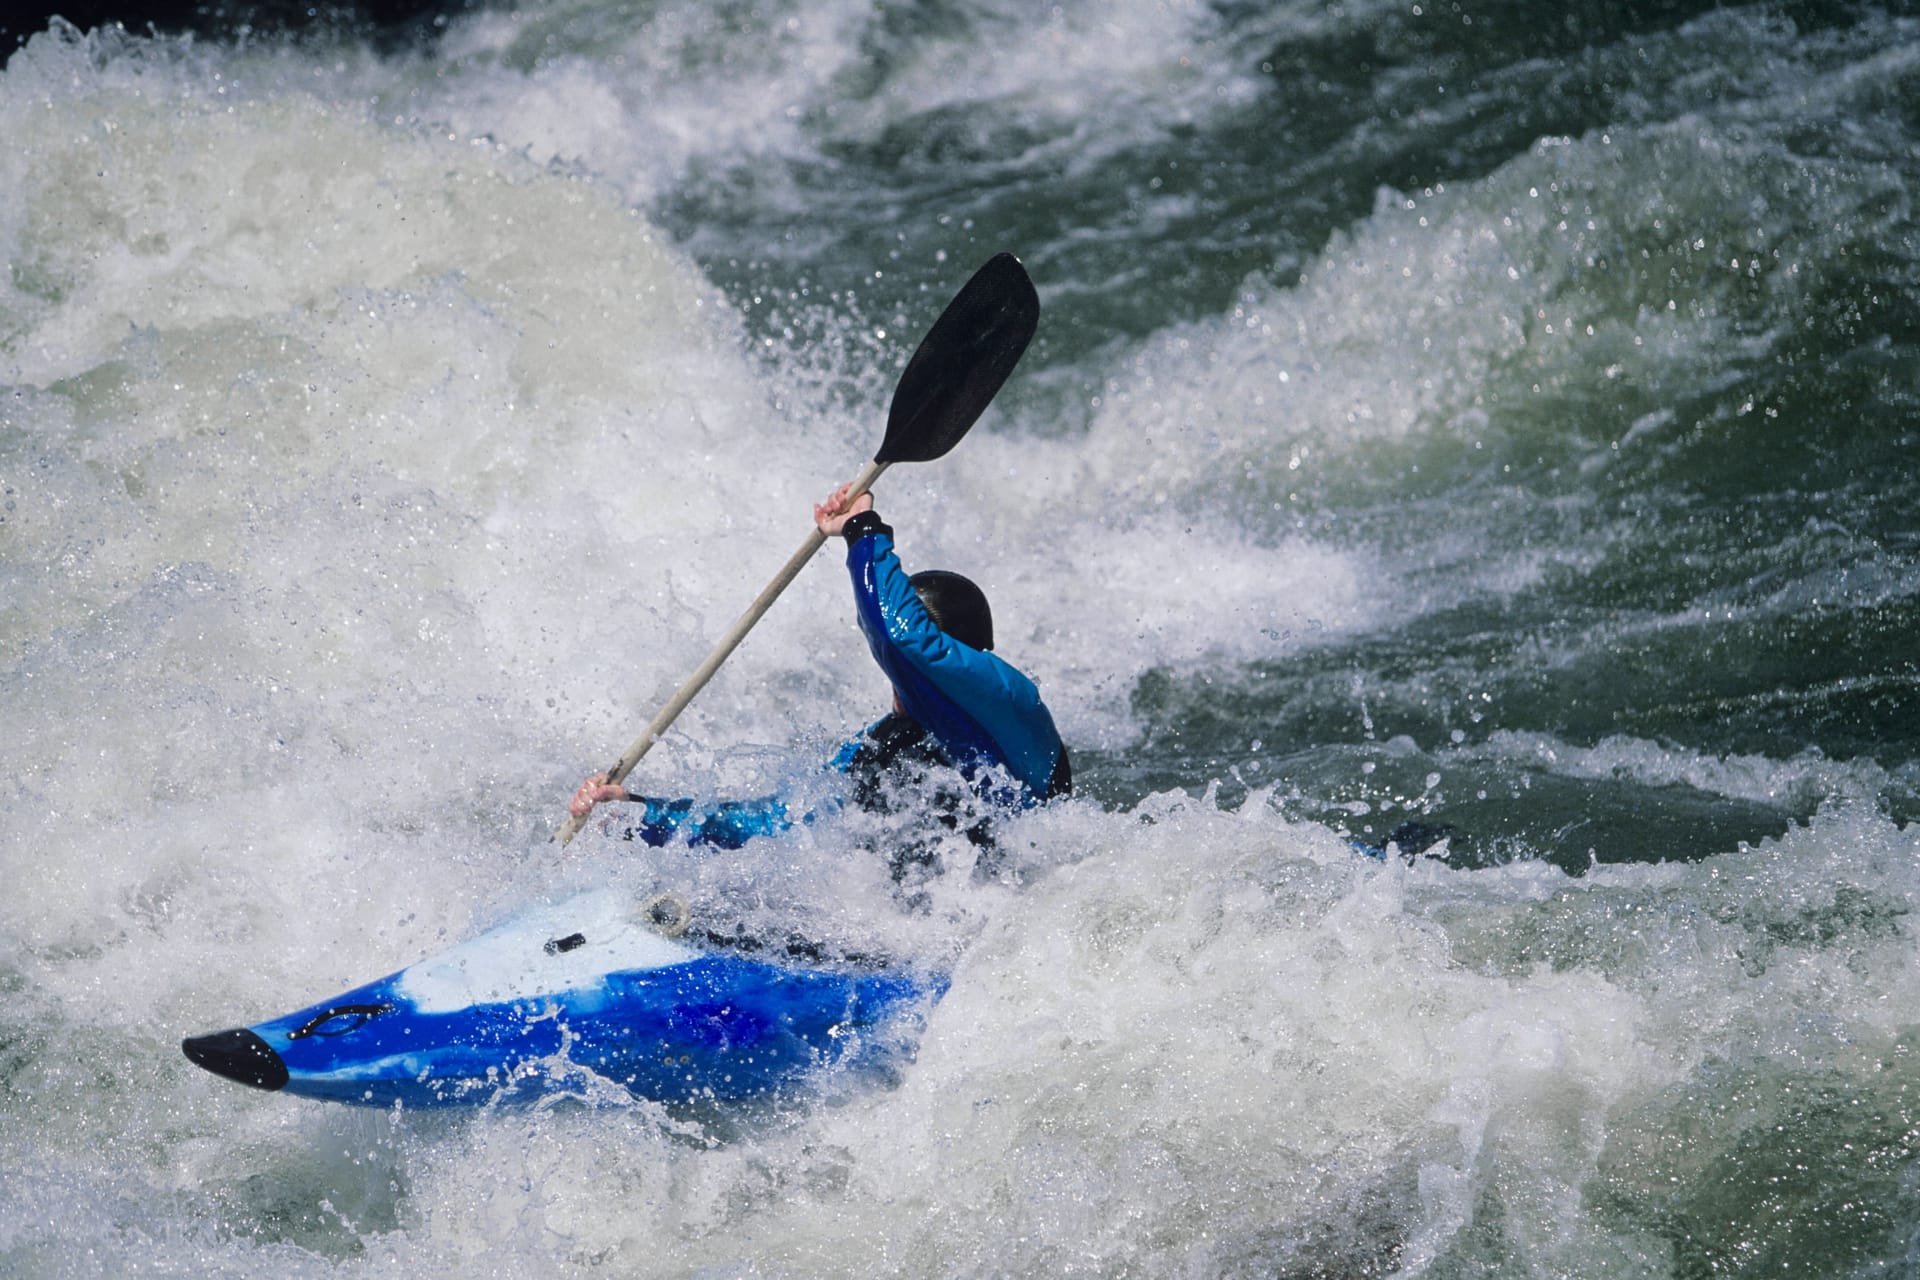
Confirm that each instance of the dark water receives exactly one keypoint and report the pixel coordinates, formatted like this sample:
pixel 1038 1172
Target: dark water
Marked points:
pixel 1496 415
pixel 1720 527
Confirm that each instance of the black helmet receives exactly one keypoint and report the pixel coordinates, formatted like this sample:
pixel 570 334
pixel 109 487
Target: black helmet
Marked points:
pixel 958 607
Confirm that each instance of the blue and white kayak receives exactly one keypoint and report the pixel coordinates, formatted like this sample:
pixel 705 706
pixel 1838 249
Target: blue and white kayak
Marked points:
pixel 583 999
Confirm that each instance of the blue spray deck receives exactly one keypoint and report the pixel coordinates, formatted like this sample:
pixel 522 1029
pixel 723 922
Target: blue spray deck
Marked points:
pixel 525 1011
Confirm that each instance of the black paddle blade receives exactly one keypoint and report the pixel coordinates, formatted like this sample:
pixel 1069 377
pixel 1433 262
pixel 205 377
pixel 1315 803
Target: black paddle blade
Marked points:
pixel 962 362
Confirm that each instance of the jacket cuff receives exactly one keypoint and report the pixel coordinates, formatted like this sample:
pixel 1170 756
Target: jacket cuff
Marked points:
pixel 858 527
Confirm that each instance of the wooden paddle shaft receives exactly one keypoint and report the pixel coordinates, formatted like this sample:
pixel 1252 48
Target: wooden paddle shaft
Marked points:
pixel 728 643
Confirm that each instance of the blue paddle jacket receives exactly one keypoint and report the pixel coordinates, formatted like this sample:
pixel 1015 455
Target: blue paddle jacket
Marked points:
pixel 961 706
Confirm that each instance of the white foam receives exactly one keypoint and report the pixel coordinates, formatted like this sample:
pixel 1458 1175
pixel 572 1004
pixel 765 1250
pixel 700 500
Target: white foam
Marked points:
pixel 641 100
pixel 368 489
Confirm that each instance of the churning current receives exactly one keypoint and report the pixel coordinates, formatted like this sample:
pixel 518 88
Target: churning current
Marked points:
pixel 1495 416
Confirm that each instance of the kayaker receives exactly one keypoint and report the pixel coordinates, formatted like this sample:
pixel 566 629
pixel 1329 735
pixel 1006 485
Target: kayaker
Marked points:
pixel 960 714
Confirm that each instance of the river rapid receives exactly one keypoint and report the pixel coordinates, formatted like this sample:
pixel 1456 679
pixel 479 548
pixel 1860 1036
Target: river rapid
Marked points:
pixel 1465 411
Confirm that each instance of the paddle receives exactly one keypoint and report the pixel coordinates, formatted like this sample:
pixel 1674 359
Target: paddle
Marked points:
pixel 956 371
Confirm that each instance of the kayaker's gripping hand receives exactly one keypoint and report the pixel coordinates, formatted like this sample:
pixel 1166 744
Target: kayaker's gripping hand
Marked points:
pixel 595 790
pixel 831 516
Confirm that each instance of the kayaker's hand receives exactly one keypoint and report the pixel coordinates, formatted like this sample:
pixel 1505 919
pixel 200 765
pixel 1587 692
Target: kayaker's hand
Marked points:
pixel 595 790
pixel 831 516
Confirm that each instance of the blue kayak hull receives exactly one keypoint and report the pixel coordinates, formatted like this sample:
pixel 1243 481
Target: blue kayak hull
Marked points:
pixel 583 1000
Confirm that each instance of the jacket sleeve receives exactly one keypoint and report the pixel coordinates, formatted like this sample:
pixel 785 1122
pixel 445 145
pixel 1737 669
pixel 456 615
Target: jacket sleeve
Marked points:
pixel 980 709
pixel 726 824
pixel 729 824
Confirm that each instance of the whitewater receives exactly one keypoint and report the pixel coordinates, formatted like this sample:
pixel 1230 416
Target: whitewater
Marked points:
pixel 1457 412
